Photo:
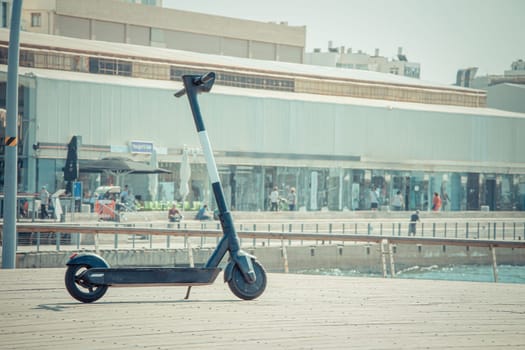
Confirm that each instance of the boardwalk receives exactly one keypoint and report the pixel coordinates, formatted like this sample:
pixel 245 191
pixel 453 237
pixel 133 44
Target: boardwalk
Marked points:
pixel 295 312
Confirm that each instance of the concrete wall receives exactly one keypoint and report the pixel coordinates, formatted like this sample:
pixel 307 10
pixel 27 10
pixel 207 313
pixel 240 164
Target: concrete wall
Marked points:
pixel 510 97
pixel 365 258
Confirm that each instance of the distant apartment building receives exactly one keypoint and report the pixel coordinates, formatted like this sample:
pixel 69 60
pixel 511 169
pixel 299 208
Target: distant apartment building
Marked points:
pixel 346 58
pixel 506 92
pixel 120 21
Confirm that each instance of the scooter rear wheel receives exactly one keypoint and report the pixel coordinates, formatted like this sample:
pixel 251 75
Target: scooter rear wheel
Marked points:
pixel 245 290
pixel 78 288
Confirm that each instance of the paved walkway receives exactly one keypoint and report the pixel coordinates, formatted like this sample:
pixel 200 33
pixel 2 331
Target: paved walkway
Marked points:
pixel 295 312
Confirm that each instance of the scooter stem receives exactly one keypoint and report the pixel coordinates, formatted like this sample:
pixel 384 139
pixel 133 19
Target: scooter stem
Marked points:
pixel 193 84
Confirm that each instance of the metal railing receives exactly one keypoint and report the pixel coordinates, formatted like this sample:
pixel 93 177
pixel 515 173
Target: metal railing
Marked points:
pixel 38 236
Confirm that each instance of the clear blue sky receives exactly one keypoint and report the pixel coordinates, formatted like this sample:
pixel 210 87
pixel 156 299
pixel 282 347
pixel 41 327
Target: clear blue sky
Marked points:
pixel 442 35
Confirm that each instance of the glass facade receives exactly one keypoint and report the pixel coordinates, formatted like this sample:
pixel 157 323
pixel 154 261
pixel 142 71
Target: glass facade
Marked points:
pixel 247 187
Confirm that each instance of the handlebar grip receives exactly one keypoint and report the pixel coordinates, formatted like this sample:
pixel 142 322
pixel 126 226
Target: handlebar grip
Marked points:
pixel 203 79
pixel 180 93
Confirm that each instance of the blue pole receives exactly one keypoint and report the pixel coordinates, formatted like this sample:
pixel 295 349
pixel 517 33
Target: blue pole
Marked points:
pixel 11 140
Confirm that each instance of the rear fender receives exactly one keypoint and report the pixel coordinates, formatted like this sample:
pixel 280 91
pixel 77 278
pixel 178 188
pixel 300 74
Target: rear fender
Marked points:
pixel 90 259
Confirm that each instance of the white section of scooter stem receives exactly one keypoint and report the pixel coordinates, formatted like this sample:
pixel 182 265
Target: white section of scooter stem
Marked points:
pixel 208 155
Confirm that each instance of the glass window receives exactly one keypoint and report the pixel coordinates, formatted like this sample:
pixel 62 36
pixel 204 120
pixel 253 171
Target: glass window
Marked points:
pixel 36 19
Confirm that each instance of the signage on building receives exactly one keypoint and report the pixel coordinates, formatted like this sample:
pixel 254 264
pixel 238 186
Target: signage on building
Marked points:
pixel 141 147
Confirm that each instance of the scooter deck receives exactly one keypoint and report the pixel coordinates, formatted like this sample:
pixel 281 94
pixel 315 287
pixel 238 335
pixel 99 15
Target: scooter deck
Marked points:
pixel 145 276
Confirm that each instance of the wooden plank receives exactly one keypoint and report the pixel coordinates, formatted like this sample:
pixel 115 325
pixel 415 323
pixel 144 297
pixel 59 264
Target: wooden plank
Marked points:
pixel 295 312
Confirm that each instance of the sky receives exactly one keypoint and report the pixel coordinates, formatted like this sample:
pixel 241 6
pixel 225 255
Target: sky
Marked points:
pixel 442 35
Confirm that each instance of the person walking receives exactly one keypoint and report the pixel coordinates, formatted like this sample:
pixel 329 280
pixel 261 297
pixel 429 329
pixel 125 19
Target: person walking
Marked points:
pixel 374 199
pixel 414 218
pixel 292 199
pixel 274 199
pixel 44 202
pixel 436 202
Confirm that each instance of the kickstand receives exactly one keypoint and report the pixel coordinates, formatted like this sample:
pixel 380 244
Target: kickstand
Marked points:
pixel 188 293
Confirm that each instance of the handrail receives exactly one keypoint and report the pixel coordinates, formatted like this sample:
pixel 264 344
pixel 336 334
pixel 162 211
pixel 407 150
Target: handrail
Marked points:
pixel 306 236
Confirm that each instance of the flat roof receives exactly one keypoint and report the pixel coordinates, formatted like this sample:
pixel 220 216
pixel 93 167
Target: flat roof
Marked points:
pixel 257 93
pixel 132 52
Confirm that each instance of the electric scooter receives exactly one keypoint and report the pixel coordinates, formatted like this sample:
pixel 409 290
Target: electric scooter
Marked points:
pixel 88 276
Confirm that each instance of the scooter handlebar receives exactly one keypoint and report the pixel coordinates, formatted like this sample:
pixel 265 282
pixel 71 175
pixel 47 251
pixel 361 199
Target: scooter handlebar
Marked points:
pixel 203 79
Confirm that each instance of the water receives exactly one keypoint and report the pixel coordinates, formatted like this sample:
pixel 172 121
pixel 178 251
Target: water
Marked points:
pixel 473 273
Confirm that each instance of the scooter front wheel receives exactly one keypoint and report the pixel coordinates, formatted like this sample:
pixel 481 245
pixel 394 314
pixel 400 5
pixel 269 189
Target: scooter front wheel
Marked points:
pixel 245 290
pixel 80 289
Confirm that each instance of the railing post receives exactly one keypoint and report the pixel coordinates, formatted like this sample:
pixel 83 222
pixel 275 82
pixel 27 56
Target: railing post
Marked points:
pixel 433 229
pixel 494 231
pixel 494 263
pixel 383 256
pixel 445 231
pixel 57 236
pixel 466 230
pixel 38 241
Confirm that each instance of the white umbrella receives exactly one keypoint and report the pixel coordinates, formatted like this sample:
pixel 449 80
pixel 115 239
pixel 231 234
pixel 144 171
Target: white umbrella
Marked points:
pixel 185 174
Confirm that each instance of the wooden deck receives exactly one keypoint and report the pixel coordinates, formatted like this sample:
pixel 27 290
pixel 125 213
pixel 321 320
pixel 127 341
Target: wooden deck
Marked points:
pixel 295 312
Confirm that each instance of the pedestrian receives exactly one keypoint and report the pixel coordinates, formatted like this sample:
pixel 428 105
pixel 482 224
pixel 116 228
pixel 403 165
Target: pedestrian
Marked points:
pixel 412 226
pixel 174 214
pixel 436 202
pixel 202 214
pixel 292 199
pixel 44 202
pixel 124 196
pixel 397 201
pixel 274 199
pixel 374 199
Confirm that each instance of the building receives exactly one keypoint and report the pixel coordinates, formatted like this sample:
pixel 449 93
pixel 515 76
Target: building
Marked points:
pixel 506 92
pixel 108 72
pixel 331 133
pixel 132 23
pixel 346 58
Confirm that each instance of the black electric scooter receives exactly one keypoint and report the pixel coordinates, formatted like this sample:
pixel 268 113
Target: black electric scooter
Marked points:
pixel 88 276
